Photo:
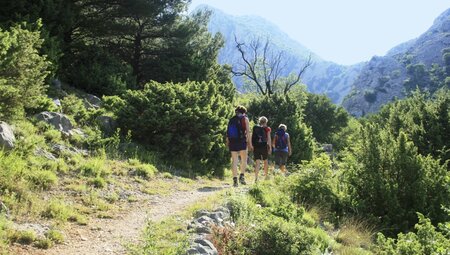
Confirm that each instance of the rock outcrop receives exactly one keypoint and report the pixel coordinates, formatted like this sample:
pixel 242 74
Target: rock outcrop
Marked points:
pixel 58 120
pixel 7 138
pixel 382 79
pixel 201 228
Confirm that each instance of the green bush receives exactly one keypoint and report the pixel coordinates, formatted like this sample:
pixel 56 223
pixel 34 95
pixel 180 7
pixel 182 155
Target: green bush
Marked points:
pixel 74 107
pixel 23 237
pixel 325 118
pixel 315 184
pixel 97 182
pixel 280 109
pixel 55 235
pixel 276 236
pixel 391 181
pixel 44 179
pixel 43 243
pixel 427 240
pixel 22 71
pixel 97 71
pixel 94 167
pixel 184 122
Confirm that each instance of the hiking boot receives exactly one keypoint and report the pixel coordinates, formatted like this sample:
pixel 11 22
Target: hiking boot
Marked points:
pixel 235 182
pixel 242 179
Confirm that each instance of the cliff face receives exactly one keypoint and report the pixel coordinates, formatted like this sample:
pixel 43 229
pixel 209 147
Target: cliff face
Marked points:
pixel 405 67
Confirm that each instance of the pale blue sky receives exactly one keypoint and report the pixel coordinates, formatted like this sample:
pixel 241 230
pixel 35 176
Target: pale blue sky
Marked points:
pixel 343 31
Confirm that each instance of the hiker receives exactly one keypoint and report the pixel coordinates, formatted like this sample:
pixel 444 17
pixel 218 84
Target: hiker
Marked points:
pixel 261 142
pixel 238 141
pixel 282 147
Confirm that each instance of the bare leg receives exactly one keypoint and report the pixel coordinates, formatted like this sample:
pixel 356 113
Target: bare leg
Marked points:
pixel 283 169
pixel 243 166
pixel 234 162
pixel 266 167
pixel 257 169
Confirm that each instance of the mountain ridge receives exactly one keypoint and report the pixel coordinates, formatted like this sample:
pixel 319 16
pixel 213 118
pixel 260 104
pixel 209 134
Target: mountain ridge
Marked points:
pixel 322 77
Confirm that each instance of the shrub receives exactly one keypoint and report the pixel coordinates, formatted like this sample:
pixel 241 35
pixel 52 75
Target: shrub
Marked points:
pixel 23 237
pixel 315 184
pixel 184 122
pixel 98 72
pixel 74 107
pixel 44 179
pixel 145 171
pixel 43 243
pixel 97 182
pixel 275 236
pixel 22 71
pixel 57 209
pixel 389 180
pixel 94 167
pixel 427 240
pixel 55 235
pixel 279 109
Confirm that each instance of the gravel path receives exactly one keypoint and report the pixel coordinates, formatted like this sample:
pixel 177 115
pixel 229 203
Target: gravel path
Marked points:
pixel 108 236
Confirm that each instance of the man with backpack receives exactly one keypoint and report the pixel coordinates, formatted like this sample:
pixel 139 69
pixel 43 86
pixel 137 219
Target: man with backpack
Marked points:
pixel 282 147
pixel 261 142
pixel 238 140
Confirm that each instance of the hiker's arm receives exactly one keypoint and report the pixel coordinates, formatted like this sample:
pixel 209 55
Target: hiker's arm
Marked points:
pixel 289 146
pixel 269 143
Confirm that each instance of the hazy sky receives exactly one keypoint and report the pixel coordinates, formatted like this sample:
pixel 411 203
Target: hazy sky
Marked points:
pixel 343 31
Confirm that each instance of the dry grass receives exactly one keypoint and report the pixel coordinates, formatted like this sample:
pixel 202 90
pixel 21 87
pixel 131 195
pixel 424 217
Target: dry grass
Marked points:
pixel 355 233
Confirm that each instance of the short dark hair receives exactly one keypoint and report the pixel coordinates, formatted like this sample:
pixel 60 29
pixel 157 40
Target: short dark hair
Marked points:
pixel 240 109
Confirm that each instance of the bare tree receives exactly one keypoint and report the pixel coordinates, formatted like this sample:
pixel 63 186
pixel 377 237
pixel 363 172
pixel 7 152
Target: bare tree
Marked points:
pixel 265 66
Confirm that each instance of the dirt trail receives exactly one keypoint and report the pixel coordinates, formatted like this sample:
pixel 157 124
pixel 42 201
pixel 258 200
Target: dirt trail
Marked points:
pixel 108 236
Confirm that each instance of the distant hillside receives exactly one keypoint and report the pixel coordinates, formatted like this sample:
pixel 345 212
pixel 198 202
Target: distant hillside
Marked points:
pixel 407 66
pixel 322 77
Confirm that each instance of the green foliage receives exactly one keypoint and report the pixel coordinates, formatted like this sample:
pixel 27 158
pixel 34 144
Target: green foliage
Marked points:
pixel 324 118
pixel 44 180
pixel 146 171
pixel 23 237
pixel 168 236
pixel 391 181
pixel 97 182
pixel 276 236
pixel 315 184
pixel 55 236
pixel 97 71
pixel 427 240
pixel 94 167
pixel 74 107
pixel 269 223
pixel 184 119
pixel 280 109
pixel 43 243
pixel 426 121
pixel 22 71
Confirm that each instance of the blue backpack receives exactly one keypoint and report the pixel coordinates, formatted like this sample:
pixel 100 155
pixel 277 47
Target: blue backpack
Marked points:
pixel 236 130
pixel 280 139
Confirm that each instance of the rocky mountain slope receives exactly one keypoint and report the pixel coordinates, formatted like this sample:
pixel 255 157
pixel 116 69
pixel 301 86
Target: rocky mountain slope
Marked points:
pixel 322 77
pixel 407 66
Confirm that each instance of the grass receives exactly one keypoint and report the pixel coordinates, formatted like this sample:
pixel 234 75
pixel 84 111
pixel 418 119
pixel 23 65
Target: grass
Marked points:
pixel 355 233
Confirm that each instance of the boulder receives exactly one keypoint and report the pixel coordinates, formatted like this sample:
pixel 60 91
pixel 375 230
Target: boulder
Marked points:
pixel 107 124
pixel 58 120
pixel 91 101
pixel 7 138
pixel 43 153
pixel 60 150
